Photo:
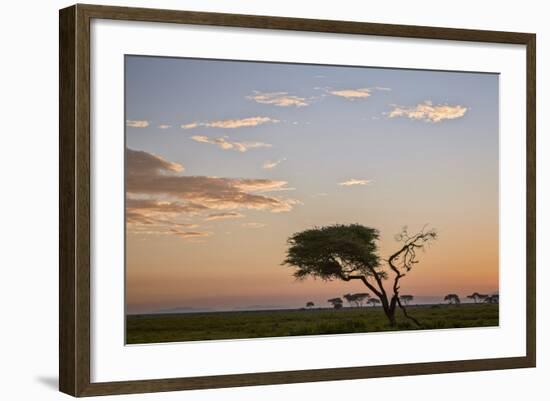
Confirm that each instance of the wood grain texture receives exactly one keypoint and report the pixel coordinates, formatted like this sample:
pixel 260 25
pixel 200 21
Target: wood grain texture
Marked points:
pixel 67 117
pixel 74 199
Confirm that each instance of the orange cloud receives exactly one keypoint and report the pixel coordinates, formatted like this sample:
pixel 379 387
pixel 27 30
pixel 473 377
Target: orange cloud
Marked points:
pixel 224 216
pixel 231 123
pixel 281 99
pixel 156 190
pixel 191 234
pixel 354 181
pixel 352 94
pixel 227 145
pixel 427 111
pixel 142 163
pixel 137 123
pixel 190 125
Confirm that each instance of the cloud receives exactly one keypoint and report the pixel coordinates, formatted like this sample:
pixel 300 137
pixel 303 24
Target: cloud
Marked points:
pixel 227 145
pixel 191 234
pixel 352 94
pixel 262 185
pixel 253 225
pixel 152 217
pixel 353 181
pixel 224 216
pixel 268 165
pixel 161 201
pixel 164 126
pixel 231 123
pixel 429 112
pixel 152 181
pixel 190 125
pixel 143 163
pixel 186 225
pixel 147 211
pixel 146 216
pixel 243 122
pixel 281 99
pixel 137 123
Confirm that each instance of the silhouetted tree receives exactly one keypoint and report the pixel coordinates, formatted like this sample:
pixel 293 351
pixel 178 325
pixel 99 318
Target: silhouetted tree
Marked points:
pixel 356 299
pixel 349 298
pixel 337 303
pixel 477 297
pixel 492 299
pixel 349 252
pixel 310 305
pixel 361 297
pixel 452 299
pixel 407 299
pixel 373 301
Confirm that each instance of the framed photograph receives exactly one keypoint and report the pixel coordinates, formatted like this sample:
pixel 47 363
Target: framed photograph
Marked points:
pixel 250 200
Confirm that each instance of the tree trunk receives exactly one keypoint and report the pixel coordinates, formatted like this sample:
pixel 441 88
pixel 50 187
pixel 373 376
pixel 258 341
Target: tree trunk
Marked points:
pixel 391 317
pixel 389 311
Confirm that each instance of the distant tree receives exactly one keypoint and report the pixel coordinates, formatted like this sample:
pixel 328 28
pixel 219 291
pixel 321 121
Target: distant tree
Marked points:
pixel 356 299
pixel 492 299
pixel 361 297
pixel 407 299
pixel 477 297
pixel 350 252
pixel 337 303
pixel 310 304
pixel 452 299
pixel 473 297
pixel 373 301
pixel 349 298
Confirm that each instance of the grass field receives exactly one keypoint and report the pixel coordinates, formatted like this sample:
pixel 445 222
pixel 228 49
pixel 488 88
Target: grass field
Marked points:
pixel 254 324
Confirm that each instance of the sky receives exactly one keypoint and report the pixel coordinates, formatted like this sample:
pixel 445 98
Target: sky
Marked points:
pixel 226 159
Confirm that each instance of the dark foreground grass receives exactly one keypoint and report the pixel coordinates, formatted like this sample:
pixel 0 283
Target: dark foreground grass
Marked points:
pixel 253 324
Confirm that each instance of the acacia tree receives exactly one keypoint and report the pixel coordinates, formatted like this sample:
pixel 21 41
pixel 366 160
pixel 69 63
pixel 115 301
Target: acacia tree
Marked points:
pixel 310 304
pixel 406 299
pixel 337 303
pixel 349 298
pixel 477 297
pixel 492 299
pixel 356 299
pixel 350 252
pixel 473 297
pixel 373 301
pixel 452 299
pixel 360 298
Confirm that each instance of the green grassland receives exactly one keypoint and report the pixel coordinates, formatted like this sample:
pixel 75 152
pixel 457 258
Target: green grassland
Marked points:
pixel 159 328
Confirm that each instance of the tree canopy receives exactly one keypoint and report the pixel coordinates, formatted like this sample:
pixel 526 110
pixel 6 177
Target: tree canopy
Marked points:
pixel 356 299
pixel 373 301
pixel 336 302
pixel 492 299
pixel 477 297
pixel 452 299
pixel 406 299
pixel 334 252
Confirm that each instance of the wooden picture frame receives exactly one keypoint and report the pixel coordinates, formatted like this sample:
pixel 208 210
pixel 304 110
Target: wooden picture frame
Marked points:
pixel 74 203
